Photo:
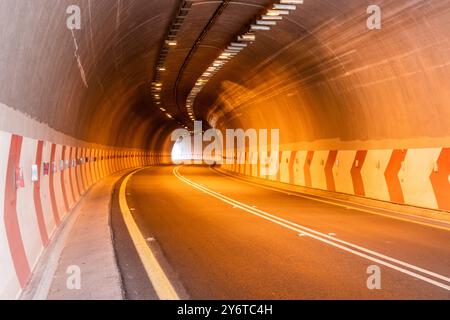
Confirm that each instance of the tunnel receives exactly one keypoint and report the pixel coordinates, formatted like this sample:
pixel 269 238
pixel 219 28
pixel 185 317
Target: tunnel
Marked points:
pixel 336 169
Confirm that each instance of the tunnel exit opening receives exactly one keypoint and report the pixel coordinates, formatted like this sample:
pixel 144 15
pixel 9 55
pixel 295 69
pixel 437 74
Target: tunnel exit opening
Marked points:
pixel 182 152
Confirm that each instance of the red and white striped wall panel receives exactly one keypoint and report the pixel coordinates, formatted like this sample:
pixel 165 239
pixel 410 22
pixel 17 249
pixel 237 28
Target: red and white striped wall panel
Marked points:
pixel 31 210
pixel 417 177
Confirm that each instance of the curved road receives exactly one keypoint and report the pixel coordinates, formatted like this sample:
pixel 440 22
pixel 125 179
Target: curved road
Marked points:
pixel 223 238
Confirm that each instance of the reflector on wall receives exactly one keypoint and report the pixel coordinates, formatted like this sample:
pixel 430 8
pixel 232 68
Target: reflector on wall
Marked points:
pixel 34 173
pixel 20 183
pixel 46 168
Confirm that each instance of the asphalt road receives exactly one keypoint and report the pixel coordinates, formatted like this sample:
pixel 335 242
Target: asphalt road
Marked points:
pixel 222 238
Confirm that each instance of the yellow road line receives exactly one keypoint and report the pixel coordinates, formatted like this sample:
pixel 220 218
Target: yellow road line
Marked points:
pixel 155 273
pixel 349 205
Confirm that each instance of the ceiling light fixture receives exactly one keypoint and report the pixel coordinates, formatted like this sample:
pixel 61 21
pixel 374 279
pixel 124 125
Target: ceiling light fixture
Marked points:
pixel 263 23
pixel 267 17
pixel 274 12
pixel 259 27
pixel 284 7
pixel 266 22
pixel 291 1
pixel 249 37
pixel 171 43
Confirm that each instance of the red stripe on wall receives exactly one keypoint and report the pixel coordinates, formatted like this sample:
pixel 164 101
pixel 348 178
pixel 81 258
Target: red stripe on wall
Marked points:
pixel 440 180
pixel 37 196
pixel 63 182
pixel 52 187
pixel 280 159
pixel 291 167
pixel 391 176
pixel 11 220
pixel 101 163
pixel 258 166
pixel 358 184
pixel 78 173
pixel 116 165
pixel 307 168
pixel 329 170
pixel 82 167
pixel 72 186
pixel 248 166
pixel 88 167
pixel 110 162
pixel 95 165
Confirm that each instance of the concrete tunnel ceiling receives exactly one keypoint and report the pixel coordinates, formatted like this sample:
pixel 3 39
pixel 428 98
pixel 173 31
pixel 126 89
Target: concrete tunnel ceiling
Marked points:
pixel 320 75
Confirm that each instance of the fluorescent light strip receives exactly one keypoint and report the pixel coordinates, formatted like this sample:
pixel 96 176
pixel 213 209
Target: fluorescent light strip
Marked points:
pixel 247 37
pixel 266 17
pixel 274 12
pixel 238 44
pixel 264 23
pixel 284 7
pixel 258 27
pixel 291 1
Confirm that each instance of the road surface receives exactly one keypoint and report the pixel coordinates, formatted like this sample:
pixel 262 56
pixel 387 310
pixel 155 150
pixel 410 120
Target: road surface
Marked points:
pixel 223 238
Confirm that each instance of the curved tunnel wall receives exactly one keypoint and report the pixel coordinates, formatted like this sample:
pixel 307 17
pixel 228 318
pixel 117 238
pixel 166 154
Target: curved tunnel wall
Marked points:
pixel 42 183
pixel 90 84
pixel 360 112
pixel 74 106
pixel 328 82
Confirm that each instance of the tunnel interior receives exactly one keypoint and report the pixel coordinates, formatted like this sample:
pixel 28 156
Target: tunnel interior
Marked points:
pixel 358 91
pixel 319 75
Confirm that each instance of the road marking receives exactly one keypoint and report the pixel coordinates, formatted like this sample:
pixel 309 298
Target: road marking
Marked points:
pixel 341 244
pixel 155 273
pixel 346 206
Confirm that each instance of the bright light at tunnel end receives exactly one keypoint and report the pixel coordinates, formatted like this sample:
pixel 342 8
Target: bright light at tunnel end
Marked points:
pixel 235 147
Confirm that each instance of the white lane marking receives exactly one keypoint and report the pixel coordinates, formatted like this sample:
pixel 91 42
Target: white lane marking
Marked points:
pixel 237 203
pixel 321 199
pixel 155 273
pixel 341 241
pixel 326 238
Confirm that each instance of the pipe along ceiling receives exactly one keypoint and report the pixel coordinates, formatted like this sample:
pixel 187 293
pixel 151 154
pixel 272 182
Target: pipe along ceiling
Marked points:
pixel 128 76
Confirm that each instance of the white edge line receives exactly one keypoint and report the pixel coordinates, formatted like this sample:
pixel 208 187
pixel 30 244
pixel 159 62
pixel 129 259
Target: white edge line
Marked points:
pixel 333 242
pixel 155 273
pixel 428 222
pixel 342 241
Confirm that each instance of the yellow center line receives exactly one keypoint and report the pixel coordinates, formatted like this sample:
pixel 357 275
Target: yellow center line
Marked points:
pixel 155 273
